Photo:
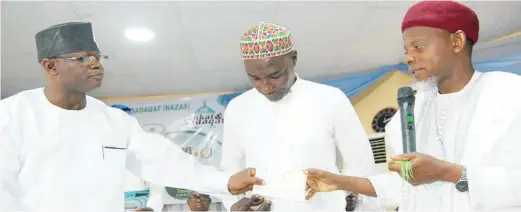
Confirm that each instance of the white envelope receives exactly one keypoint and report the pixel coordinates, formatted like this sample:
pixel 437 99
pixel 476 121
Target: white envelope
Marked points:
pixel 290 186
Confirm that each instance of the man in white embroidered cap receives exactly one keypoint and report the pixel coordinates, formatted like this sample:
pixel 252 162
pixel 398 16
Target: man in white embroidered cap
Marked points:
pixel 286 124
pixel 62 151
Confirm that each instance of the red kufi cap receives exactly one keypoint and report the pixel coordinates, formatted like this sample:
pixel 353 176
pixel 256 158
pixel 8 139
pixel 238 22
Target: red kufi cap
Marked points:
pixel 446 15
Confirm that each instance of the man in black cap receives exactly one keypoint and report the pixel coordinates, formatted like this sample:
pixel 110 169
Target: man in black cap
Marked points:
pixel 62 151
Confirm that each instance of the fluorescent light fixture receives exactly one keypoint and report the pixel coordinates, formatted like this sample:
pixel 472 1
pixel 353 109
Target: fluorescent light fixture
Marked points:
pixel 139 34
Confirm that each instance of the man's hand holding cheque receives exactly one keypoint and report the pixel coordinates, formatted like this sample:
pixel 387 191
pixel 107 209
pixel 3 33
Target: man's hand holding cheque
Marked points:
pixel 323 181
pixel 425 169
pixel 244 181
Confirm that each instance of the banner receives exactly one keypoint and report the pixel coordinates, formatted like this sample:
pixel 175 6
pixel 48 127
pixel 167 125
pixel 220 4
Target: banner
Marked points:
pixel 193 123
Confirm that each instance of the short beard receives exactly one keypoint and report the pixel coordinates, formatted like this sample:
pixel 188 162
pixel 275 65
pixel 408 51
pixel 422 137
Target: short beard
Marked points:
pixel 291 80
pixel 429 84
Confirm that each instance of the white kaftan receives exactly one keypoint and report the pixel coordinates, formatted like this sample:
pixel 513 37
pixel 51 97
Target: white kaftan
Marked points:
pixel 478 127
pixel 59 160
pixel 131 182
pixel 303 130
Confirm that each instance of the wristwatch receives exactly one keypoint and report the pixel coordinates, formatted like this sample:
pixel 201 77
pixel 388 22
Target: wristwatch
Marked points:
pixel 463 185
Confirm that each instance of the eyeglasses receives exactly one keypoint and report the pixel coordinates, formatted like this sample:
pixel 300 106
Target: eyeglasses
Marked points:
pixel 88 59
pixel 201 197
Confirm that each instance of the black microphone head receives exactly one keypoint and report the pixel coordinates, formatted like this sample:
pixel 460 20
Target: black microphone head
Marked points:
pixel 405 92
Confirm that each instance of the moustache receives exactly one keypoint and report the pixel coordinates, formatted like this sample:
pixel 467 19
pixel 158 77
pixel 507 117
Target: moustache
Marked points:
pixel 96 71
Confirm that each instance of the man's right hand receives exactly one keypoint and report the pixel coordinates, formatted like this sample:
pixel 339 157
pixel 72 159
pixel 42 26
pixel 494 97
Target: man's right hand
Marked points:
pixel 320 181
pixel 243 181
pixel 245 204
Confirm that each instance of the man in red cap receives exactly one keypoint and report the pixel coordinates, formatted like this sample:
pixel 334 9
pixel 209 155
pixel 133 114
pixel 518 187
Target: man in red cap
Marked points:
pixel 468 124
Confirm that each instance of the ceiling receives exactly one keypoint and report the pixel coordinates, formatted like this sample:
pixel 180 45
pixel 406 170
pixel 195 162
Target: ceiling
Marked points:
pixel 196 48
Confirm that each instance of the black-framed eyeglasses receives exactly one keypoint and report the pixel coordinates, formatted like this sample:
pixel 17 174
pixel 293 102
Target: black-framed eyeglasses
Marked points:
pixel 201 197
pixel 87 60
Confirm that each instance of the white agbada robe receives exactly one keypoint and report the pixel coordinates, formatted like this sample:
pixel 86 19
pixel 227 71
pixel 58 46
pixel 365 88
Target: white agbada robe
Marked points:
pixel 131 182
pixel 478 127
pixel 59 160
pixel 303 130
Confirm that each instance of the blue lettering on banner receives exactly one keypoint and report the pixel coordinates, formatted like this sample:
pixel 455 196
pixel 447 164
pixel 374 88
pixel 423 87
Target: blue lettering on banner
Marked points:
pixel 159 108
pixel 175 107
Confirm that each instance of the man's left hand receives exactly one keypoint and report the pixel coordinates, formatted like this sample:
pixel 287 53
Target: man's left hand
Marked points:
pixel 243 181
pixel 426 168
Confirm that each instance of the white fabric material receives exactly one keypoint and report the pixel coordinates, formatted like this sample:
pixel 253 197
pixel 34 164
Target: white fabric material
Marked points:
pixel 131 182
pixel 158 197
pixel 59 160
pixel 481 131
pixel 302 130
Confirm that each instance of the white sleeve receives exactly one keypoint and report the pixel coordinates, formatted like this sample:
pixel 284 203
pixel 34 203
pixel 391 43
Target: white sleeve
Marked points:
pixel 10 188
pixel 233 156
pixel 158 161
pixel 156 200
pixel 353 144
pixel 495 182
pixel 351 140
pixel 388 186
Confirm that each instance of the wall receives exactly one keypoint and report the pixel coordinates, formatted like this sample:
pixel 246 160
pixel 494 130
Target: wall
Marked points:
pixel 378 96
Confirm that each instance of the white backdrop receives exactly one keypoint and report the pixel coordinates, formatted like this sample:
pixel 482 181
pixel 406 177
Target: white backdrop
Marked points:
pixel 193 123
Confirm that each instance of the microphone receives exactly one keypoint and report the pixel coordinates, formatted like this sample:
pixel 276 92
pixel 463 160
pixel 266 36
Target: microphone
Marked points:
pixel 406 104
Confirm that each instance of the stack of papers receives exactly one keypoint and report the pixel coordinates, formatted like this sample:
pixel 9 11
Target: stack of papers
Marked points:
pixel 289 186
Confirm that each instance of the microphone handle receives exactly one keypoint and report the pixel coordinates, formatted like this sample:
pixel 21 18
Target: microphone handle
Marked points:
pixel 408 127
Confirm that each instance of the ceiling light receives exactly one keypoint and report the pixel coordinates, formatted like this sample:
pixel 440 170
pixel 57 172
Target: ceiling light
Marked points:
pixel 139 34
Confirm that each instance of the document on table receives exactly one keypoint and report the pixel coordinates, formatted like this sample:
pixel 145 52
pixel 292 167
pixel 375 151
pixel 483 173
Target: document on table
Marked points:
pixel 289 186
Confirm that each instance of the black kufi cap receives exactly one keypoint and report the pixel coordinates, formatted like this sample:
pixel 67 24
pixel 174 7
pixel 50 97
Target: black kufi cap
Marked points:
pixel 64 39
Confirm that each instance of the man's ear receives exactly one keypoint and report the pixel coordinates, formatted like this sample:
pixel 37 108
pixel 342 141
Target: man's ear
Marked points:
pixel 458 41
pixel 49 65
